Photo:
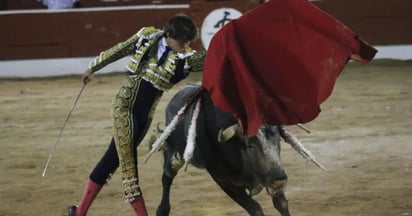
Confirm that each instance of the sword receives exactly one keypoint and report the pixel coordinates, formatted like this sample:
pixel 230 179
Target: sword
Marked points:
pixel 61 131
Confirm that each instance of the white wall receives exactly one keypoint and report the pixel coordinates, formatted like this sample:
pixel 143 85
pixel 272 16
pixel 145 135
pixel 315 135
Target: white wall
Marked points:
pixel 68 66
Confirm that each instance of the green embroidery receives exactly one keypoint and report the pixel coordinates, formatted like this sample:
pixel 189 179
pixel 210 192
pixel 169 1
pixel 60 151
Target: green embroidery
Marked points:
pixel 196 61
pixel 159 76
pixel 140 44
pixel 148 32
pixel 117 52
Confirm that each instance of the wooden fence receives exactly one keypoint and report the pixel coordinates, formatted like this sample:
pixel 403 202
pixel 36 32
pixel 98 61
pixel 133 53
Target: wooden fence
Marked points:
pixel 81 32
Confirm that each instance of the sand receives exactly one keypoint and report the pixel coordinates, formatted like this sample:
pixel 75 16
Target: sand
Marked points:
pixel 362 136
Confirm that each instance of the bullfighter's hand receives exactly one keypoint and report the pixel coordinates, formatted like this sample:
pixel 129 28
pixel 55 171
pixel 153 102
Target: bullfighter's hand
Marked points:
pixel 87 76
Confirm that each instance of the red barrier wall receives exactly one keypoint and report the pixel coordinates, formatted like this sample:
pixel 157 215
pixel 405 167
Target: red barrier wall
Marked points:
pixel 78 33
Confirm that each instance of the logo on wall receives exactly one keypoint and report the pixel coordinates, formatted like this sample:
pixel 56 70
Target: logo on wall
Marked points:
pixel 214 21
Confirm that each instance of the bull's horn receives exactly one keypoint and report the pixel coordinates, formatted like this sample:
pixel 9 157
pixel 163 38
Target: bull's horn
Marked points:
pixel 228 133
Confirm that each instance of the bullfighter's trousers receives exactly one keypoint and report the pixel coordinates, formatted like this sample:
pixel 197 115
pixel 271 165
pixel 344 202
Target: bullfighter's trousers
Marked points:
pixel 133 109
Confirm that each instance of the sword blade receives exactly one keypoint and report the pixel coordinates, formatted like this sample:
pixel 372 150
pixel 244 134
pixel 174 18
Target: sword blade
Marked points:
pixel 61 130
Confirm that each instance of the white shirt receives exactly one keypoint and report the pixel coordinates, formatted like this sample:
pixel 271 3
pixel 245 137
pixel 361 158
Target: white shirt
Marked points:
pixel 161 47
pixel 58 4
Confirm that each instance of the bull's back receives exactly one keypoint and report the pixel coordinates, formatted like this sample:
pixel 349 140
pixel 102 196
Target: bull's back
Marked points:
pixel 176 142
pixel 206 127
pixel 179 100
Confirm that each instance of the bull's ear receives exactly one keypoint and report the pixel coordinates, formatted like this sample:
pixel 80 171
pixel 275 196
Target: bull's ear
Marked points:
pixel 228 133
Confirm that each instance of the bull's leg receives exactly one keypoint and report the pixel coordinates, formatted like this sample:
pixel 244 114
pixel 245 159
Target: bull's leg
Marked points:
pixel 239 195
pixel 281 203
pixel 164 208
pixel 170 169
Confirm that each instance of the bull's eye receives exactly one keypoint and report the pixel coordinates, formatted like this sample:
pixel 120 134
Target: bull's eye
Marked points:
pixel 268 130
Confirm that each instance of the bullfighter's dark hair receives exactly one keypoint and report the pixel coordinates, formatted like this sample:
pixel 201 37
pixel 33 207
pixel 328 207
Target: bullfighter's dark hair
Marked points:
pixel 181 28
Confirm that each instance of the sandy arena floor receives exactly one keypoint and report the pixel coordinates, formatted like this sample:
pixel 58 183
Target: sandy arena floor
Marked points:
pixel 363 136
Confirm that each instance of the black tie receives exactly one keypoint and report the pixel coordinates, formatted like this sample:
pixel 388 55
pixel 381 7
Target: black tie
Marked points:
pixel 164 56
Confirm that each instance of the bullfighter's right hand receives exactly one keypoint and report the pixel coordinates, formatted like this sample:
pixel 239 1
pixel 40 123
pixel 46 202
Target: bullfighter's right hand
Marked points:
pixel 87 76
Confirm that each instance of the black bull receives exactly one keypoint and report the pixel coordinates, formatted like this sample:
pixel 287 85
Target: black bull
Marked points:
pixel 242 167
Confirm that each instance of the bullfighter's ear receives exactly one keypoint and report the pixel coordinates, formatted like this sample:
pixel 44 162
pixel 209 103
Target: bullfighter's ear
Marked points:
pixel 228 133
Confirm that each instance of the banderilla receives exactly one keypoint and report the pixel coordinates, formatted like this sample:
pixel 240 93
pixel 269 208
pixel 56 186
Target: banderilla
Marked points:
pixel 61 131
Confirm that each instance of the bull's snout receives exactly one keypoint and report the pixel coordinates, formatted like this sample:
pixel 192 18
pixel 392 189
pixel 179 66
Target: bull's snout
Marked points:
pixel 275 174
pixel 276 186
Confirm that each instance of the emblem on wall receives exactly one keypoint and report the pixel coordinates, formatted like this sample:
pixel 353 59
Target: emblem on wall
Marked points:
pixel 214 21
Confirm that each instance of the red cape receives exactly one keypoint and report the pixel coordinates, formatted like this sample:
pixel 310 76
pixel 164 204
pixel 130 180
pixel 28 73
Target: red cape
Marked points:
pixel 277 63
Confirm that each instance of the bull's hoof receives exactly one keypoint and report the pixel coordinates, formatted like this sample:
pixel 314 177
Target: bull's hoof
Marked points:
pixel 72 211
pixel 163 210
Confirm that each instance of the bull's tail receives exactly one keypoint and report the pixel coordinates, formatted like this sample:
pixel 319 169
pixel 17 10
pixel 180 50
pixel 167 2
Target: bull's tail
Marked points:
pixel 172 125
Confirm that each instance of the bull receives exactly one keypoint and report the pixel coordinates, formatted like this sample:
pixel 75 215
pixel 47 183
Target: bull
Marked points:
pixel 241 166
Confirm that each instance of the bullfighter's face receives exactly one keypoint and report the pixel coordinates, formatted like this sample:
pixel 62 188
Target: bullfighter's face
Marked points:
pixel 177 45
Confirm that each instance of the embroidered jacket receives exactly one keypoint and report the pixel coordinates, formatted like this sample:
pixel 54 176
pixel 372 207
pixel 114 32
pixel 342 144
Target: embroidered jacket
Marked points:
pixel 144 63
